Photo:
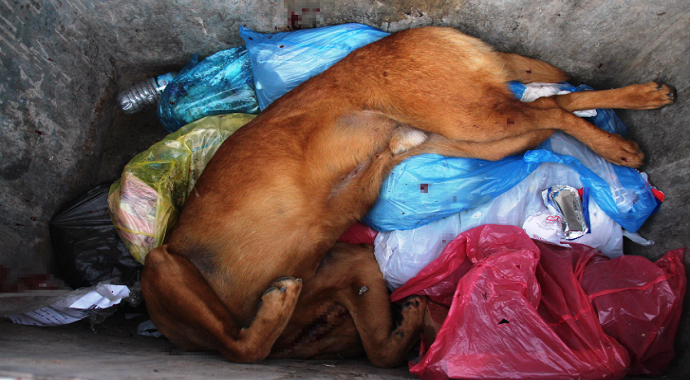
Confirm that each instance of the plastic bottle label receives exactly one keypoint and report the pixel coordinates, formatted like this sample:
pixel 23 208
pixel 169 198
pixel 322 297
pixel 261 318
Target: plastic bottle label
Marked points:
pixel 162 81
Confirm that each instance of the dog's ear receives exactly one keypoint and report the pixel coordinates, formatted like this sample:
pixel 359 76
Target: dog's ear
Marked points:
pixel 182 306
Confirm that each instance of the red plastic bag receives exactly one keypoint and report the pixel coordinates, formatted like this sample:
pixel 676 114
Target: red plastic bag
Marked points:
pixel 358 233
pixel 639 304
pixel 502 323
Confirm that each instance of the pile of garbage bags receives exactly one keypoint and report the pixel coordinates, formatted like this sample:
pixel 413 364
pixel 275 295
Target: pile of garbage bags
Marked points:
pixel 518 283
pixel 536 310
pixel 428 199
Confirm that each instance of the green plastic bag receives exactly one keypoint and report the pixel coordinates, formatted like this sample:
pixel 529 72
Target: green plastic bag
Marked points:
pixel 145 202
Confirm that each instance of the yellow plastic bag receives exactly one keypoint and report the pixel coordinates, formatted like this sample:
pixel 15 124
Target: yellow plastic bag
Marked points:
pixel 155 184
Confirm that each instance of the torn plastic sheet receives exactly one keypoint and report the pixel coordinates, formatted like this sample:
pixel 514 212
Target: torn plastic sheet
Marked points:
pixel 74 306
pixel 534 91
pixel 637 238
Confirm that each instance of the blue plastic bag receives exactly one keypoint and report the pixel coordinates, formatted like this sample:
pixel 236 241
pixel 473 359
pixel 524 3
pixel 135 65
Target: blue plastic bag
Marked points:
pixel 281 61
pixel 429 187
pixel 220 84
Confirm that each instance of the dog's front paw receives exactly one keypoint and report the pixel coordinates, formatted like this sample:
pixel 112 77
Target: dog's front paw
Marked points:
pixel 283 288
pixel 413 309
pixel 281 297
pixel 620 151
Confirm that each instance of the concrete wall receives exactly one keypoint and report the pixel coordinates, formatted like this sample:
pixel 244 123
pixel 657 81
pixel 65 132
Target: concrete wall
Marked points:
pixel 62 61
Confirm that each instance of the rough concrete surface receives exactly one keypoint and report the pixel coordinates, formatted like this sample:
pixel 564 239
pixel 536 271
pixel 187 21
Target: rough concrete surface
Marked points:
pixel 62 62
pixel 75 352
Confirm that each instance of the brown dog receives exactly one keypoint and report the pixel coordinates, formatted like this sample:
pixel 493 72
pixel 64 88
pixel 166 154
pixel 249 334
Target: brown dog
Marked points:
pixel 282 189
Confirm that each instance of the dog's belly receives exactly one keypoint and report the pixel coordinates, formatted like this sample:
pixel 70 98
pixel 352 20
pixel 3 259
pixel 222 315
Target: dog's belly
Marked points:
pixel 323 332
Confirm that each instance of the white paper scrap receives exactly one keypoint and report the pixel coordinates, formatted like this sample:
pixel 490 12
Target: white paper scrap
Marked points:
pixel 48 316
pixel 102 297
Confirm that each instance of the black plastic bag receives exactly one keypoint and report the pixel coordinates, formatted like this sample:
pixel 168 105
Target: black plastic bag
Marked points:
pixel 87 248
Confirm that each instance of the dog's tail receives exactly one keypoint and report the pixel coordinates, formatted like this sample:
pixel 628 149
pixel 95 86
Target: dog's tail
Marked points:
pixel 528 70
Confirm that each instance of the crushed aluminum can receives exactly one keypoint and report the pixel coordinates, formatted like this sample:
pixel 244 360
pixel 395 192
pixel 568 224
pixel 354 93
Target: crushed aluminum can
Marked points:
pixel 565 202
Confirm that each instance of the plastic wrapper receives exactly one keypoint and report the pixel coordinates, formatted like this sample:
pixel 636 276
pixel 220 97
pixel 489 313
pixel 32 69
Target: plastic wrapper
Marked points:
pixel 401 254
pixel 281 61
pixel 515 307
pixel 566 205
pixel 87 248
pixel 155 184
pixel 451 185
pixel 220 84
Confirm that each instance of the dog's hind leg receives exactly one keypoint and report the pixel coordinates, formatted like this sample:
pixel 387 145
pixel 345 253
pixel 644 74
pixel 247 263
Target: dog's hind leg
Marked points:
pixel 370 309
pixel 546 114
pixel 612 147
pixel 460 93
pixel 490 151
pixel 366 298
pixel 507 130
pixel 645 96
pixel 186 310
pixel 555 112
pixel 510 121
pixel 345 310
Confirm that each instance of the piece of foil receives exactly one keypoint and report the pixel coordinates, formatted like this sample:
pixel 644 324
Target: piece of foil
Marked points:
pixel 565 201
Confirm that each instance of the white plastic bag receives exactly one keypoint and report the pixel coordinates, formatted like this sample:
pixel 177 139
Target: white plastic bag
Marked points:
pixel 402 254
